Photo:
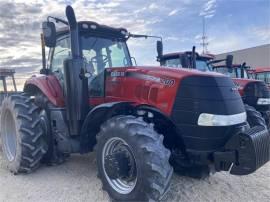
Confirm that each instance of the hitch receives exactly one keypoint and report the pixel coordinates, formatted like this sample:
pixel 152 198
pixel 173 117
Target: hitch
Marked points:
pixel 245 152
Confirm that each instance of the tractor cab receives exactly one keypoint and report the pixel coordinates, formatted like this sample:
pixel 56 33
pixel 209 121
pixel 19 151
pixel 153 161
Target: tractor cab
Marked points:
pixel 237 71
pixel 261 73
pixel 184 60
pixel 101 47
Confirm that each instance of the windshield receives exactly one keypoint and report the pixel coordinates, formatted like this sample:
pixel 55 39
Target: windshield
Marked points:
pixel 100 53
pixel 235 73
pixel 264 76
pixel 174 62
pixel 203 66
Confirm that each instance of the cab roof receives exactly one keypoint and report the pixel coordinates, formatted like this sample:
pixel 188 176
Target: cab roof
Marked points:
pixel 261 69
pixel 234 66
pixel 178 54
pixel 96 29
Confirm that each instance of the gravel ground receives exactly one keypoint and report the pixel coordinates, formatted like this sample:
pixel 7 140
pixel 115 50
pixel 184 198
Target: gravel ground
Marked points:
pixel 76 180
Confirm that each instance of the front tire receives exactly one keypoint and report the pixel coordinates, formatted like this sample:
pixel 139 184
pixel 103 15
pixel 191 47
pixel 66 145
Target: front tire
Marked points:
pixel 133 163
pixel 22 138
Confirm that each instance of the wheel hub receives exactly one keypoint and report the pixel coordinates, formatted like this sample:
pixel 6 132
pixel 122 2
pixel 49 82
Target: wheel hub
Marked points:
pixel 117 165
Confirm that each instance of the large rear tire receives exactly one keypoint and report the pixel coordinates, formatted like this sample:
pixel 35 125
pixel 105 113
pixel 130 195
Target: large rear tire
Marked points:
pixel 23 142
pixel 133 163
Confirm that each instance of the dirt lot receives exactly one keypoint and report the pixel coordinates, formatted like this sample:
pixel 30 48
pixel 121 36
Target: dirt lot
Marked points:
pixel 76 181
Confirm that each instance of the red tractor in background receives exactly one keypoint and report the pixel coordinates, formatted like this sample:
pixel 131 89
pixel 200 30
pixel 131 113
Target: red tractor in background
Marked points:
pixel 261 73
pixel 139 119
pixel 255 94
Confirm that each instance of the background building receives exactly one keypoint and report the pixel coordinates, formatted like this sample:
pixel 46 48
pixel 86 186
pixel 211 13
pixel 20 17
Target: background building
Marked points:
pixel 258 56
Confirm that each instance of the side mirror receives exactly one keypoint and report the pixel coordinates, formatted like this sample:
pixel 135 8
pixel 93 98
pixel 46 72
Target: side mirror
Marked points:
pixel 184 60
pixel 159 49
pixel 49 33
pixel 229 62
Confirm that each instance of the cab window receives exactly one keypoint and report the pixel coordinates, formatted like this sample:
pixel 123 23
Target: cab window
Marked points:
pixel 99 54
pixel 60 53
pixel 172 62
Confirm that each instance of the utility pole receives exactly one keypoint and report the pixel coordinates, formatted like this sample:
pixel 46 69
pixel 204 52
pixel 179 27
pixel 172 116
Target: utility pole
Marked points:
pixel 204 39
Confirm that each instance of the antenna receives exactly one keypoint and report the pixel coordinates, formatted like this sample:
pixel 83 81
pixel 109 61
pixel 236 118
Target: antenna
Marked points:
pixel 204 39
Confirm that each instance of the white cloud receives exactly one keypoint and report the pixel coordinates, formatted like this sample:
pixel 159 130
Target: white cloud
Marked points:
pixel 262 32
pixel 173 12
pixel 209 9
pixel 153 6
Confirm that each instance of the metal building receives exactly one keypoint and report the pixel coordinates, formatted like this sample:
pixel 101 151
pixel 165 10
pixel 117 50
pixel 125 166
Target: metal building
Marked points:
pixel 258 56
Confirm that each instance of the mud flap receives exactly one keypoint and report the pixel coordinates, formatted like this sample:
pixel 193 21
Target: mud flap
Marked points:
pixel 252 150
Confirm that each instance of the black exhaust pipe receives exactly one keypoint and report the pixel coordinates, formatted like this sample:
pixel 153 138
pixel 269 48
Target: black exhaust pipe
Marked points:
pixel 193 58
pixel 76 87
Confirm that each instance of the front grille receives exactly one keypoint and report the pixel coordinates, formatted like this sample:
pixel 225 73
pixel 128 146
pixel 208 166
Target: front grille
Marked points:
pixel 205 94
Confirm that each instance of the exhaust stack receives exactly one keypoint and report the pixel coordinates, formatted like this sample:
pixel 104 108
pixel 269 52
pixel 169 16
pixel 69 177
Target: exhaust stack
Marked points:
pixel 76 87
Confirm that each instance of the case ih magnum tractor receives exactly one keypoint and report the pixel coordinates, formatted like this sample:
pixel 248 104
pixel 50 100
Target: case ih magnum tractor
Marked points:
pixel 138 119
pixel 255 94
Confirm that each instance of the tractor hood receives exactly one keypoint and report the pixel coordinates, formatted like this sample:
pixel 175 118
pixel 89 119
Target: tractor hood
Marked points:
pixel 173 73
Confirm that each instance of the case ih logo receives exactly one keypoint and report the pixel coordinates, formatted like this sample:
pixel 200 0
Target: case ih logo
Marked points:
pixel 117 74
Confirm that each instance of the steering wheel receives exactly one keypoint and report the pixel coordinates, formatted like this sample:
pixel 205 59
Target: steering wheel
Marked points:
pixel 104 59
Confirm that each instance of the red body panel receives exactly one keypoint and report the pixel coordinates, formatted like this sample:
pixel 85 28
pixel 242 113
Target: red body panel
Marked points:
pixel 241 84
pixel 148 90
pixel 49 86
pixel 154 86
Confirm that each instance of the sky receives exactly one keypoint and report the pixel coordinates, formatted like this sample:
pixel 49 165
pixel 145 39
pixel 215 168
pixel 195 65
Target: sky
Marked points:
pixel 230 25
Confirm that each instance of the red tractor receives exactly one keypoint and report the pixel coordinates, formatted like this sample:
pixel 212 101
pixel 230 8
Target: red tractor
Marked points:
pixel 261 73
pixel 254 93
pixel 138 119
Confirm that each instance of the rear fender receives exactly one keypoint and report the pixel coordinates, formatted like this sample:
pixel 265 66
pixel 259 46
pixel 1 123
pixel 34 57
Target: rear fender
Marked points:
pixel 48 85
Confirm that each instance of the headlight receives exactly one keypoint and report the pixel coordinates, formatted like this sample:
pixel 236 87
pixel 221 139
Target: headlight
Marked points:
pixel 221 120
pixel 263 101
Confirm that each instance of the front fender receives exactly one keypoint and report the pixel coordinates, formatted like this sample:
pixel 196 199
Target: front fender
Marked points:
pixel 49 86
pixel 96 117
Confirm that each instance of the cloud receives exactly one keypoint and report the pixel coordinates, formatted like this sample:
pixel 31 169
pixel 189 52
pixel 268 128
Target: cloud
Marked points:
pixel 153 6
pixel 262 32
pixel 209 9
pixel 178 23
pixel 173 12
